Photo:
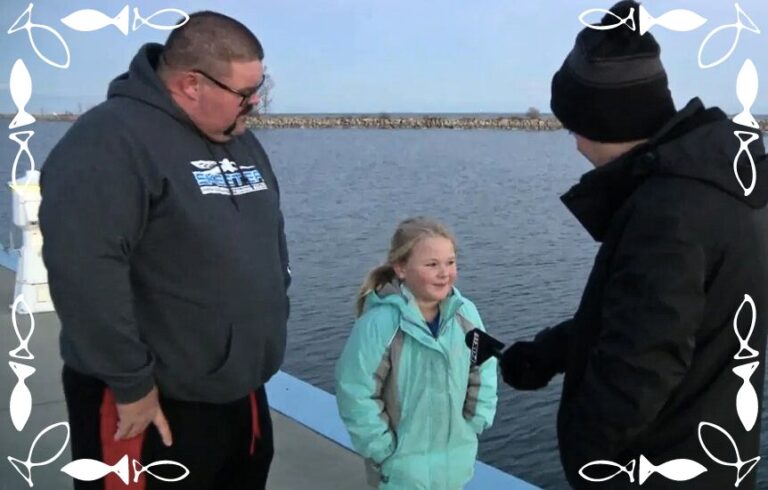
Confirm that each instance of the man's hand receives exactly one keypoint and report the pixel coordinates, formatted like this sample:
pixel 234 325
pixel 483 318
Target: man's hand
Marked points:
pixel 525 366
pixel 133 418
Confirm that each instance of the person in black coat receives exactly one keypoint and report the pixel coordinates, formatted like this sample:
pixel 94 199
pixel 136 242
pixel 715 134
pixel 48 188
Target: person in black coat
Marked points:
pixel 674 316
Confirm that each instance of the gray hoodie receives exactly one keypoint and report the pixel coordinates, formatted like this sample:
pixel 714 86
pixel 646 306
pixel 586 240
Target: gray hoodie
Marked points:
pixel 165 251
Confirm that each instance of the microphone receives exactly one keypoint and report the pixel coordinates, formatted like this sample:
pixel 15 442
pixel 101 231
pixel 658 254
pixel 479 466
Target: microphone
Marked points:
pixel 483 346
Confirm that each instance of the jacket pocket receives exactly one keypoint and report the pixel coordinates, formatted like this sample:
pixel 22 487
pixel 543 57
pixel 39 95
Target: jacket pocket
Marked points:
pixel 226 357
pixel 231 367
pixel 373 474
pixel 383 469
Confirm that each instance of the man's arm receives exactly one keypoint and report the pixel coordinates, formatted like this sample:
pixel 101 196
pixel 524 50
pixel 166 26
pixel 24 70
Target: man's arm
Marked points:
pixel 283 243
pixel 530 365
pixel 284 253
pixel 652 307
pixel 92 215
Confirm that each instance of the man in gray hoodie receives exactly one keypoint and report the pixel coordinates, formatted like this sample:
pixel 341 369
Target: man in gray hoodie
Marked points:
pixel 167 262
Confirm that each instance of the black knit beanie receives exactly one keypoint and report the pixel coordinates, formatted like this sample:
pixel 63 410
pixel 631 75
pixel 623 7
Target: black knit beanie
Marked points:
pixel 612 86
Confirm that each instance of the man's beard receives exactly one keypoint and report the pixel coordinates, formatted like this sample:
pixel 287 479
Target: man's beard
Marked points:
pixel 247 110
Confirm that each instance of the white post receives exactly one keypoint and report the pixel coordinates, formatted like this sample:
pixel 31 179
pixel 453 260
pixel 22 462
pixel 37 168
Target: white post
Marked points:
pixel 31 275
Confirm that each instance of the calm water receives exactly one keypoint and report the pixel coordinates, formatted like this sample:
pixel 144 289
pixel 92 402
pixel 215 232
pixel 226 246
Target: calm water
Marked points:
pixel 523 258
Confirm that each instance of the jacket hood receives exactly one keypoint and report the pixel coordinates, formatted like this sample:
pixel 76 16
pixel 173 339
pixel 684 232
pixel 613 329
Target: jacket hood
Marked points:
pixel 398 295
pixel 697 143
pixel 703 144
pixel 141 83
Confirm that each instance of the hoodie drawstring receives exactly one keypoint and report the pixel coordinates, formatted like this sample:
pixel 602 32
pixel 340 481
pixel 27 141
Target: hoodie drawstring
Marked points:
pixel 255 428
pixel 240 170
pixel 223 175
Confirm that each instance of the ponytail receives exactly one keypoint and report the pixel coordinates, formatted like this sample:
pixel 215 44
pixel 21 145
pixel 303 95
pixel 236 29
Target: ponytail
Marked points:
pixel 375 279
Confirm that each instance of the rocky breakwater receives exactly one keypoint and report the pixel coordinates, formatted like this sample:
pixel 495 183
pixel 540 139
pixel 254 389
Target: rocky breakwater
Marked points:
pixel 382 121
pixel 386 121
pixel 403 122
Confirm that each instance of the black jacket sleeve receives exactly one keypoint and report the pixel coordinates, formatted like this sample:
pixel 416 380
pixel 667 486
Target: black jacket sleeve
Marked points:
pixel 94 207
pixel 652 306
pixel 554 342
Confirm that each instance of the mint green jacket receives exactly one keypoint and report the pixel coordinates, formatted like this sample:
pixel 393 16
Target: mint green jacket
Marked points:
pixel 411 402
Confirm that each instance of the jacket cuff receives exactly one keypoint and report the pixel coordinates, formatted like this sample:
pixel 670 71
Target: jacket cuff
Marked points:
pixel 477 424
pixel 386 452
pixel 131 390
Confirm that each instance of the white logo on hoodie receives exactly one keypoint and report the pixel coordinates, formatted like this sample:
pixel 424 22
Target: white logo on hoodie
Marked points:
pixel 225 177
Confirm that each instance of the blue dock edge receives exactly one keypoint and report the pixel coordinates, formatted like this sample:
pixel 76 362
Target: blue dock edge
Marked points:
pixel 316 409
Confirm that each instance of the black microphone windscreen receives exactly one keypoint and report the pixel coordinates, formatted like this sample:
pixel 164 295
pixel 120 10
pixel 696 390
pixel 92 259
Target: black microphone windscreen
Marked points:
pixel 482 346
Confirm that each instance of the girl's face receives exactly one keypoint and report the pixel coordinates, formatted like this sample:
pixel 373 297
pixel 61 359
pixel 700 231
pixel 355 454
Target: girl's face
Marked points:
pixel 430 271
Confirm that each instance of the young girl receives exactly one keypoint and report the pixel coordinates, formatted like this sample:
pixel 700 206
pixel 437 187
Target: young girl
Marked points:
pixel 411 401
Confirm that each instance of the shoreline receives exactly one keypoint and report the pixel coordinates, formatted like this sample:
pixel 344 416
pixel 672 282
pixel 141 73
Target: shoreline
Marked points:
pixel 383 121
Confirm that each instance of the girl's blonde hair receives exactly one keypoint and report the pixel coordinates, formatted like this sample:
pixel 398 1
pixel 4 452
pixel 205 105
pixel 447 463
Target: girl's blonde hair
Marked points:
pixel 405 238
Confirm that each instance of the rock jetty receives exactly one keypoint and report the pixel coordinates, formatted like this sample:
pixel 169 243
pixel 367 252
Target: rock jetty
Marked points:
pixel 404 122
pixel 384 121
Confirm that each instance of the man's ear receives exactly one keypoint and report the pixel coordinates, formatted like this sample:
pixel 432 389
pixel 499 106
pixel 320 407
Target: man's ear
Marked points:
pixel 190 84
pixel 186 85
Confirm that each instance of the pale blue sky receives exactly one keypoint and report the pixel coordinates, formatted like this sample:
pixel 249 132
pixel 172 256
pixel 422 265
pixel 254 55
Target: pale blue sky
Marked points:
pixel 387 55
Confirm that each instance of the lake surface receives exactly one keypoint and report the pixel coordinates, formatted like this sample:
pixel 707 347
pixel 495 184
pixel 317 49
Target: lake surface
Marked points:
pixel 523 258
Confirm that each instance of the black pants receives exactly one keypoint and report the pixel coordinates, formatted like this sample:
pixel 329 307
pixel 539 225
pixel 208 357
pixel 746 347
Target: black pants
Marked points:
pixel 224 446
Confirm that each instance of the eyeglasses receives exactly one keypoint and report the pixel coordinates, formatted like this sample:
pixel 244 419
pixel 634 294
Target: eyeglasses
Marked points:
pixel 244 94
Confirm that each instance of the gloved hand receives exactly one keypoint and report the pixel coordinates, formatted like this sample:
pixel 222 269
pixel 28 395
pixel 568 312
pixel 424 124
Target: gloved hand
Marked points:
pixel 525 366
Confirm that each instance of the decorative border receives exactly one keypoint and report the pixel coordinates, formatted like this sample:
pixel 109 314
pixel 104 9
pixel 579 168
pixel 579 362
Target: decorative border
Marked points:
pixel 26 196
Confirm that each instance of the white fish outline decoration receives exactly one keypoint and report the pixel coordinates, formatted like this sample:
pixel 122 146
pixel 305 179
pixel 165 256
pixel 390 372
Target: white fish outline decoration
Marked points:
pixel 745 351
pixel 139 21
pixel 744 149
pixel 28 25
pixel 15 186
pixel 21 397
pixel 629 469
pixel 747 85
pixel 680 20
pixel 87 20
pixel 24 468
pixel 743 468
pixel 739 26
pixel 676 469
pixel 629 20
pixel 138 469
pixel 22 351
pixel 93 469
pixel 746 399
pixel 21 93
